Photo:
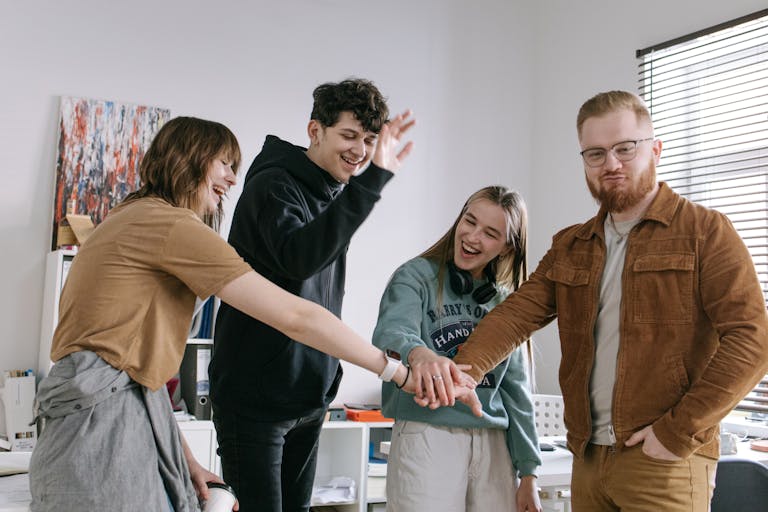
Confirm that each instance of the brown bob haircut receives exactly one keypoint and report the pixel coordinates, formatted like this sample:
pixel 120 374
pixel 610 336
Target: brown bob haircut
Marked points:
pixel 178 159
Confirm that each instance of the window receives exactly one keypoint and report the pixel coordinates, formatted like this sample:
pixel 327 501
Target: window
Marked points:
pixel 708 96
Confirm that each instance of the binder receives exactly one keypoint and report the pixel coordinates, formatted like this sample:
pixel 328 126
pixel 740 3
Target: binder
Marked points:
pixel 195 386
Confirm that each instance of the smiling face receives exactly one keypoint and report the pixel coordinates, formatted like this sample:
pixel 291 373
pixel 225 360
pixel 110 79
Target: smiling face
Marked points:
pixel 343 149
pixel 620 186
pixel 218 180
pixel 480 236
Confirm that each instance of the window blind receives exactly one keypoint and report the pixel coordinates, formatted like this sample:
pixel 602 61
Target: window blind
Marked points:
pixel 708 97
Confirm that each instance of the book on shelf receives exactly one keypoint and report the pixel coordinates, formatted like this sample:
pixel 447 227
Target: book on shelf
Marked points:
pixel 377 467
pixel 377 488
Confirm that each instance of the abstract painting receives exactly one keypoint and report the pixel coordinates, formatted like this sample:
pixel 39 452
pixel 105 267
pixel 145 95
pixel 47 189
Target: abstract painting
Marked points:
pixel 100 146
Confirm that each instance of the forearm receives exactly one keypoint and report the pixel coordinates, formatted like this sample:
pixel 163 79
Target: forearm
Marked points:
pixel 301 247
pixel 491 342
pixel 303 321
pixel 732 372
pixel 522 439
pixel 732 301
pixel 510 323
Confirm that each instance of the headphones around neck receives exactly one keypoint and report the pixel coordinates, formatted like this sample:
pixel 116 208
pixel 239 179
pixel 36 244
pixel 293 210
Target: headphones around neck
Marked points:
pixel 462 283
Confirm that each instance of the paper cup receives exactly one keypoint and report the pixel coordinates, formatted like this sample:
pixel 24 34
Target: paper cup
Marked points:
pixel 221 498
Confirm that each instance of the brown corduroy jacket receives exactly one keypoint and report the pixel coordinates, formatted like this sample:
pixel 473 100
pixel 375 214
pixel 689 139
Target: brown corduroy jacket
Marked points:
pixel 693 327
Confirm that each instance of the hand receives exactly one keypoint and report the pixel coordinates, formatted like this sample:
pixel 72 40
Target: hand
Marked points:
pixel 200 476
pixel 527 497
pixel 434 377
pixel 386 155
pixel 652 447
pixel 468 396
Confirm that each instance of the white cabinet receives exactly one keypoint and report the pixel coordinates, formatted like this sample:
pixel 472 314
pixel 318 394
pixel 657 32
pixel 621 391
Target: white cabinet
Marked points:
pixel 201 438
pixel 343 451
pixel 376 494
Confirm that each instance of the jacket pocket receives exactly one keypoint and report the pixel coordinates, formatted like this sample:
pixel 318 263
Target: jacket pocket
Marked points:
pixel 662 287
pixel 571 290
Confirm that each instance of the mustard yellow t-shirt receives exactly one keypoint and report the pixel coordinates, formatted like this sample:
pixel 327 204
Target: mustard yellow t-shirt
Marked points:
pixel 130 292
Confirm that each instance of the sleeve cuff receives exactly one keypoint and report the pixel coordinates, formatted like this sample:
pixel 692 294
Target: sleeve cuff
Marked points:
pixel 527 468
pixel 373 178
pixel 672 441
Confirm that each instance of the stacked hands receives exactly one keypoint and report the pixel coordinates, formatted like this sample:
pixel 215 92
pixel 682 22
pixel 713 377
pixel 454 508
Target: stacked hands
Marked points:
pixel 437 381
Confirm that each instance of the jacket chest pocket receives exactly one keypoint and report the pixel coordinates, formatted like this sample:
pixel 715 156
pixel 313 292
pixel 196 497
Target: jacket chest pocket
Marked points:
pixel 571 294
pixel 662 288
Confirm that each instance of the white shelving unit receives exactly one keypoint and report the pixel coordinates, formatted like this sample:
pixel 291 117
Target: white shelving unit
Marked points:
pixel 376 495
pixel 201 438
pixel 343 451
pixel 56 269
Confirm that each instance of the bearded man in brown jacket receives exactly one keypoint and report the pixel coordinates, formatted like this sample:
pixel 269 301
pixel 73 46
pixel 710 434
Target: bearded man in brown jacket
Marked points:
pixel 662 324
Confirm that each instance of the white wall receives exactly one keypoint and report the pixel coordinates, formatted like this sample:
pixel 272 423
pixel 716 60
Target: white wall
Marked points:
pixel 495 85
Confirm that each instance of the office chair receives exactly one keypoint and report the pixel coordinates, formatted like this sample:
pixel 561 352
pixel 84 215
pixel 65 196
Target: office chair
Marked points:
pixel 740 485
pixel 548 412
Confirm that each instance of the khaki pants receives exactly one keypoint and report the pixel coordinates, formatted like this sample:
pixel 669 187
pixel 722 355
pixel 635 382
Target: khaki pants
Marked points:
pixel 627 480
pixel 444 469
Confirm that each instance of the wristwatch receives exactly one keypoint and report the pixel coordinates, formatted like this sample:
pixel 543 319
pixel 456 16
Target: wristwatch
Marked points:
pixel 389 370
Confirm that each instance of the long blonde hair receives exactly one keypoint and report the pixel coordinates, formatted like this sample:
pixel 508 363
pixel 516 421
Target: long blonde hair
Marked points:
pixel 510 268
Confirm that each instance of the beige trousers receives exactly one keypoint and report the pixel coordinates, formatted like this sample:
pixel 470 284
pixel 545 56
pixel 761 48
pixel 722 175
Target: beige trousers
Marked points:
pixel 445 469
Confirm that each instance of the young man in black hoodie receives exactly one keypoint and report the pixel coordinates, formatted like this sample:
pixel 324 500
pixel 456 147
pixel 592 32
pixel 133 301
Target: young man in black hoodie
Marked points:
pixel 293 223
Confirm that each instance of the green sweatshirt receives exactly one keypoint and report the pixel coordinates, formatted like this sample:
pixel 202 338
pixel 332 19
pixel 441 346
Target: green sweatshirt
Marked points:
pixel 409 317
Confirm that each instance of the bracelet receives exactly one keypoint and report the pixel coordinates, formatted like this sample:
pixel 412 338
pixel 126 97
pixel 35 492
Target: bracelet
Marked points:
pixel 389 370
pixel 407 374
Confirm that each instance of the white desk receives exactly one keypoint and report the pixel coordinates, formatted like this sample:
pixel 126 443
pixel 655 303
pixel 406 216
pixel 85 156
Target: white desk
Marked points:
pixel 745 452
pixel 14 490
pixel 555 470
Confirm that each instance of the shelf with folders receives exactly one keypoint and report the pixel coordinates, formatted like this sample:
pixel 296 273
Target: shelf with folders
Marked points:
pixel 203 322
pixel 57 265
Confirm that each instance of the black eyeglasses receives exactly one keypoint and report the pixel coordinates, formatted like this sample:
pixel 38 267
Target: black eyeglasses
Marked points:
pixel 623 151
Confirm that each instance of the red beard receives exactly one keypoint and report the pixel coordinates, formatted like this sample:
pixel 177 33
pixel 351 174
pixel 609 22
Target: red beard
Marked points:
pixel 619 200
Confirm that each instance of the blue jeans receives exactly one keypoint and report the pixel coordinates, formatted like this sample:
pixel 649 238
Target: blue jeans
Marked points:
pixel 269 464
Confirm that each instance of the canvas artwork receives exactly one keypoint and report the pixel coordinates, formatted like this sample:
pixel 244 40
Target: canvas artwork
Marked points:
pixel 100 146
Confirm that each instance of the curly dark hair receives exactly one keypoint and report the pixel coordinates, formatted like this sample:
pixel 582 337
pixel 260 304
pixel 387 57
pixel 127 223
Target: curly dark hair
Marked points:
pixel 356 95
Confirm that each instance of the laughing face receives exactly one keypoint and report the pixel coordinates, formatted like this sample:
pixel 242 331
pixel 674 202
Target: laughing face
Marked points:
pixel 343 149
pixel 480 236
pixel 218 180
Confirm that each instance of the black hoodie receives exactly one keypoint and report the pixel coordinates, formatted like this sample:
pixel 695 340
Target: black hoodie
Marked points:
pixel 292 224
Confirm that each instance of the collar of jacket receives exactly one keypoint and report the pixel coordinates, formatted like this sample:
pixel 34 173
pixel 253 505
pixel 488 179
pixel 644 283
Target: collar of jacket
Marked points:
pixel 662 210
